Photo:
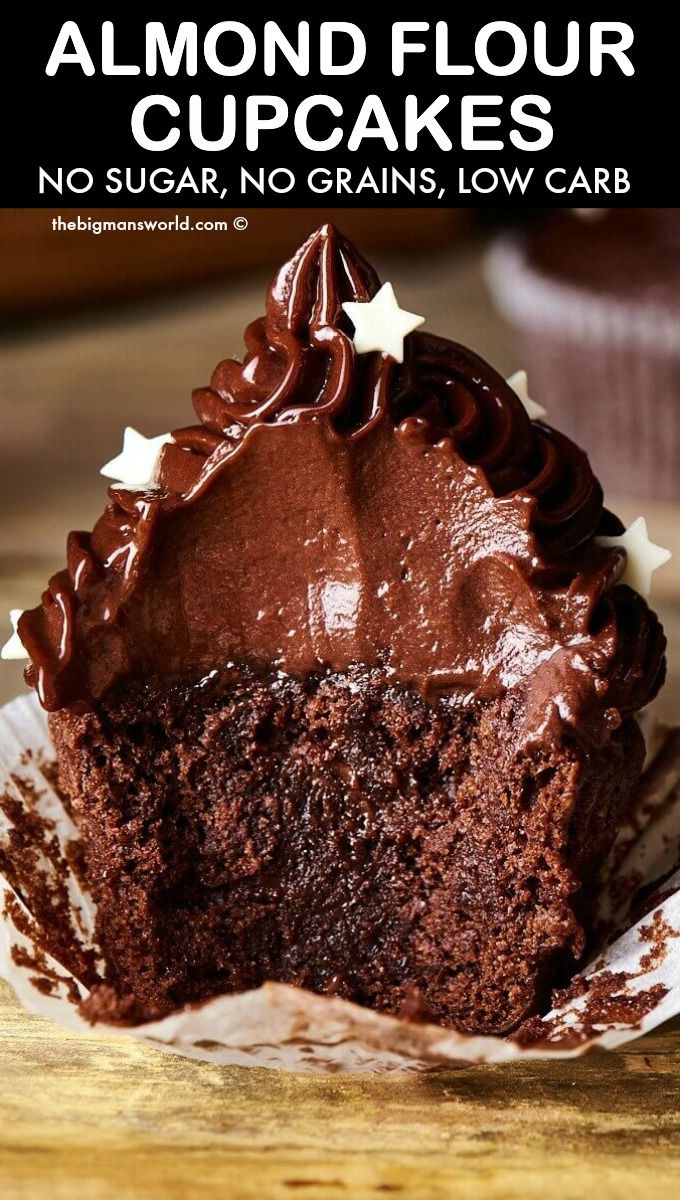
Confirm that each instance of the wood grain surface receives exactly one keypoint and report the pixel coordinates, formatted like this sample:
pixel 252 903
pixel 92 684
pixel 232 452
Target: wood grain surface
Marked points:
pixel 99 1118
pixel 105 1119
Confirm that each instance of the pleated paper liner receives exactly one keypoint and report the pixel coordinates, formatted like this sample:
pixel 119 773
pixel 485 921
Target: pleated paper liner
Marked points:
pixel 49 954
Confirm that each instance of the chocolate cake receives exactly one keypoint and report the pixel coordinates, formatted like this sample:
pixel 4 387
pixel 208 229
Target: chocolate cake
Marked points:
pixel 346 696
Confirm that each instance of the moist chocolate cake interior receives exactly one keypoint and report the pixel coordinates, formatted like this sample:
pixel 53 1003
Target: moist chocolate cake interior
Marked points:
pixel 339 834
pixel 347 698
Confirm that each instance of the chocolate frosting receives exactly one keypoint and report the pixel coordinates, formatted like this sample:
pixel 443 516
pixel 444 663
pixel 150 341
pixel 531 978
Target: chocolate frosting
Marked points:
pixel 334 508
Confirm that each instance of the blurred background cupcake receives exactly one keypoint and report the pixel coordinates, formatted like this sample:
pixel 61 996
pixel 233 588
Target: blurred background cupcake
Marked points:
pixel 592 298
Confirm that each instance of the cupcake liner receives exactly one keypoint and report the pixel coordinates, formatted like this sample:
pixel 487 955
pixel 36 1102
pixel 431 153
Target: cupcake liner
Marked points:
pixel 606 368
pixel 49 955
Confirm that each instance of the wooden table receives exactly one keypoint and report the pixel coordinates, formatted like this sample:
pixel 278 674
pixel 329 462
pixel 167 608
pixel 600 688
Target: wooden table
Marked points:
pixel 104 1118
pixel 101 1118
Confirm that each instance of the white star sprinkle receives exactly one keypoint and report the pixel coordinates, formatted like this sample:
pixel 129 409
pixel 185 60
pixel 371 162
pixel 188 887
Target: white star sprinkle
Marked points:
pixel 642 556
pixel 136 464
pixel 380 324
pixel 14 648
pixel 520 386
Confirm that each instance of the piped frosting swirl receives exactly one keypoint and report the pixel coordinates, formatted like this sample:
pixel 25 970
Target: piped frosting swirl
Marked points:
pixel 331 508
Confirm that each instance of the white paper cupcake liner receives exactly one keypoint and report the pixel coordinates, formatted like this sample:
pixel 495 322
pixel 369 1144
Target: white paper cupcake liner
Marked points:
pixel 48 948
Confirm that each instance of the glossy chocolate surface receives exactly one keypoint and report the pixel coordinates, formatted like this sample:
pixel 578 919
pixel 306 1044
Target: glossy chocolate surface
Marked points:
pixel 332 509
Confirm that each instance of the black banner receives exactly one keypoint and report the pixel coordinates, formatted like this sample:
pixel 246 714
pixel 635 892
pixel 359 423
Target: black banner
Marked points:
pixel 112 110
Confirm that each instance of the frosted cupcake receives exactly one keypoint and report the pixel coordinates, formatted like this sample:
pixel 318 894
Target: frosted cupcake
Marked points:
pixel 343 684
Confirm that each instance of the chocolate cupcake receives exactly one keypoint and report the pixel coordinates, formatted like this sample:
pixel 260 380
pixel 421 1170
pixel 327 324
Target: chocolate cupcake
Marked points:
pixel 593 298
pixel 345 697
